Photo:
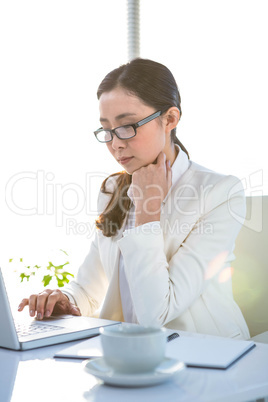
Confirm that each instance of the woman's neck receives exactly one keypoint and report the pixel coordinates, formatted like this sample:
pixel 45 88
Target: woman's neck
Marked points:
pixel 173 153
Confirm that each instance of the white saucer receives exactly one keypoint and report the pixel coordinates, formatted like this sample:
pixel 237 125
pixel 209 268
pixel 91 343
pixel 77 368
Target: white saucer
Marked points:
pixel 166 370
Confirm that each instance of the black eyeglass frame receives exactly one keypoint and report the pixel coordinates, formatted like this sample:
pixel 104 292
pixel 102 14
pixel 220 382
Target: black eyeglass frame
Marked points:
pixel 134 126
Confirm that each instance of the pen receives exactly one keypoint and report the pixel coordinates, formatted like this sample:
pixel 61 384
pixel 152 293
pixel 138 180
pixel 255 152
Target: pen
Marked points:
pixel 172 336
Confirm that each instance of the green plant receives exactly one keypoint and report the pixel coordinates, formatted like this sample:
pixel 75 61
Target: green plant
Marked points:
pixel 51 270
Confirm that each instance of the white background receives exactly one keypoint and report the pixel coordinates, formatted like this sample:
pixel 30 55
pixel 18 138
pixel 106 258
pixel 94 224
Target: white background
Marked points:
pixel 53 56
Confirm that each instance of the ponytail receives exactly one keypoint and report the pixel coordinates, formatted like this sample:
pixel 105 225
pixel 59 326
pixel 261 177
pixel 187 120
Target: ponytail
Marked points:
pixel 112 218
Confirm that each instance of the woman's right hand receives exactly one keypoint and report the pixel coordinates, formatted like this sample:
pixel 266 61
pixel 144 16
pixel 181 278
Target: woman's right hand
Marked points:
pixel 48 302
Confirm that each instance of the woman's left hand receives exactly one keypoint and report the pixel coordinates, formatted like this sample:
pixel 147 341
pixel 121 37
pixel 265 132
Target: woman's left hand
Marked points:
pixel 150 186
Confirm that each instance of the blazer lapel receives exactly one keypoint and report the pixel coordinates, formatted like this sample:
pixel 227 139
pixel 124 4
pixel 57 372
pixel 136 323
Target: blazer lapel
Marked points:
pixel 112 306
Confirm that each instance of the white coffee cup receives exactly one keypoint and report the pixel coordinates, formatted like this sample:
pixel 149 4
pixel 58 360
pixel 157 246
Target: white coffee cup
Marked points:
pixel 130 348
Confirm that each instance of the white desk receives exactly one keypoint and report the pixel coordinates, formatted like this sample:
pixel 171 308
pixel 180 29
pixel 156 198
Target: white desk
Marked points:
pixel 35 376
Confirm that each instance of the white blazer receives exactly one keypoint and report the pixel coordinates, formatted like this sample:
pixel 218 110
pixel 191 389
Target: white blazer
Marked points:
pixel 179 275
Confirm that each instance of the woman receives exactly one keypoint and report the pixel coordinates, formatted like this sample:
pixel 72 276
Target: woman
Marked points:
pixel 167 226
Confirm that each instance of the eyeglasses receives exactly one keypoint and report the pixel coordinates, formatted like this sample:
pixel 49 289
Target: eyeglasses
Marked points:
pixel 123 132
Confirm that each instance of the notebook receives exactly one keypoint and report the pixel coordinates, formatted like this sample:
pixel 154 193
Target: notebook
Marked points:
pixel 208 351
pixel 46 332
pixel 196 350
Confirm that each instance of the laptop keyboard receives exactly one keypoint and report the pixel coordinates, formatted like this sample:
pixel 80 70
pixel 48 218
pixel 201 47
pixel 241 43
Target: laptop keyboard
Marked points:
pixel 34 328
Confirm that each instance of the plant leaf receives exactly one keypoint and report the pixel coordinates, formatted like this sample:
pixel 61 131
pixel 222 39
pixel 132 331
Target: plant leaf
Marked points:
pixel 22 276
pixel 62 278
pixel 46 279
pixel 60 283
pixel 50 265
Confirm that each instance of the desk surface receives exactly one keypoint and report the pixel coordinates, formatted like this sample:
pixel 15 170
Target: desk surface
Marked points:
pixel 35 376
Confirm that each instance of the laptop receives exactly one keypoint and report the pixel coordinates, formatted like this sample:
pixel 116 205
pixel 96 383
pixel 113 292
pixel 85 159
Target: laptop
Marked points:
pixel 28 333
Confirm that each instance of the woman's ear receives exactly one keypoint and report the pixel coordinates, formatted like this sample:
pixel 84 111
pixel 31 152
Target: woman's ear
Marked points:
pixel 172 117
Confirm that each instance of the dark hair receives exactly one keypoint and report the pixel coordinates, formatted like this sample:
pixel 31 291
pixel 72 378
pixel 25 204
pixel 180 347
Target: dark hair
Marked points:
pixel 155 85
